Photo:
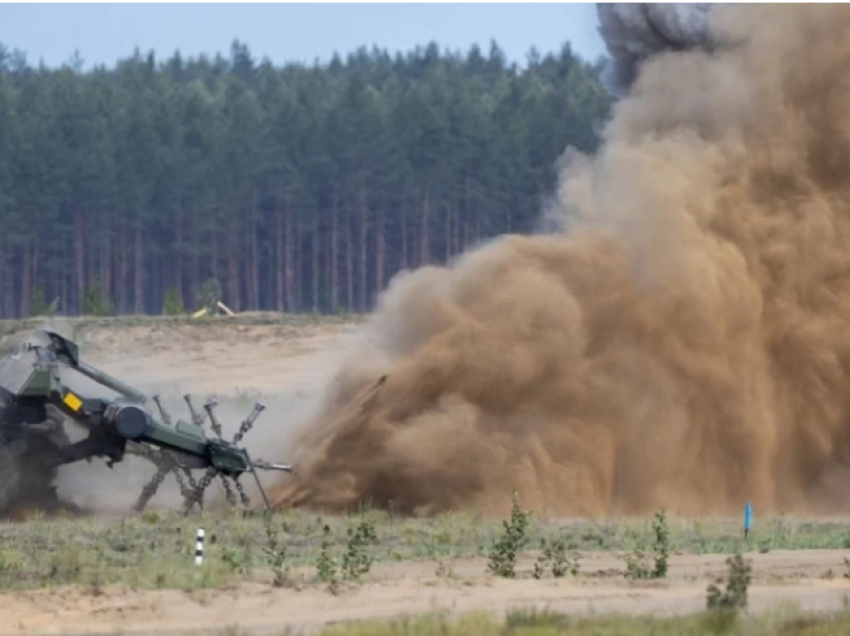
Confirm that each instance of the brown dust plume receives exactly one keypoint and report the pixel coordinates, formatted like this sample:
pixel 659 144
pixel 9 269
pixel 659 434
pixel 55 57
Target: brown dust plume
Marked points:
pixel 683 342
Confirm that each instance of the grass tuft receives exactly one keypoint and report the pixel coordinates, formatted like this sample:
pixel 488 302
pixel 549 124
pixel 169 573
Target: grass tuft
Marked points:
pixel 547 623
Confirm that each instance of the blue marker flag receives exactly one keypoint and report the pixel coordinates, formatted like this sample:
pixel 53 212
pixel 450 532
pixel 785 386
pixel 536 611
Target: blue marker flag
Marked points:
pixel 748 518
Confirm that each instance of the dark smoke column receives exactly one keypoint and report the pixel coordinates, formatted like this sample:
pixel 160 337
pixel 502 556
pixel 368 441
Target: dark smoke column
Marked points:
pixel 635 32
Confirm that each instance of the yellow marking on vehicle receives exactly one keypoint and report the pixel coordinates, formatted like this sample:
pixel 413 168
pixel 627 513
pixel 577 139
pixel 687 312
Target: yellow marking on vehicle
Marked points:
pixel 72 401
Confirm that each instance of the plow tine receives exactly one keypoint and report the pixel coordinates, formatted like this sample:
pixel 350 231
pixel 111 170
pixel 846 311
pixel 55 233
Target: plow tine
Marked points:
pixel 231 498
pixel 151 487
pixel 197 418
pixel 184 489
pixel 249 421
pixel 165 417
pixel 209 406
pixel 197 496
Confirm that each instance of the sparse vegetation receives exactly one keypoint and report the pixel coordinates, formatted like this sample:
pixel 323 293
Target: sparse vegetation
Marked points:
pixel 97 302
pixel 636 567
pixel 636 562
pixel 735 597
pixel 276 552
pixel 173 303
pixel 208 296
pixel 554 558
pixel 357 560
pixel 155 549
pixel 510 543
pixel 39 308
pixel 326 564
pixel 238 560
pixel 661 545
pixel 548 623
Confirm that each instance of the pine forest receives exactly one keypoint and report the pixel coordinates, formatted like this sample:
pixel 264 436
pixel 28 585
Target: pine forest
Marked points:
pixel 296 188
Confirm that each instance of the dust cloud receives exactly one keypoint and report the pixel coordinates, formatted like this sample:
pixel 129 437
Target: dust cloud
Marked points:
pixel 634 32
pixel 683 342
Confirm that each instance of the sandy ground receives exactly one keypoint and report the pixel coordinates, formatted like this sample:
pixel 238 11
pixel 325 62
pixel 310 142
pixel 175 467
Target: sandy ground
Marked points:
pixel 284 359
pixel 807 580
pixel 220 358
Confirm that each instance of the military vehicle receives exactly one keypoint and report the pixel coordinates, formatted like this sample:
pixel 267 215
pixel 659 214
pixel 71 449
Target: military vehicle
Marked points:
pixel 36 399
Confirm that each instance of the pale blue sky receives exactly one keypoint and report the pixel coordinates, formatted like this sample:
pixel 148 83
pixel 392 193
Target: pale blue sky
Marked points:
pixel 283 32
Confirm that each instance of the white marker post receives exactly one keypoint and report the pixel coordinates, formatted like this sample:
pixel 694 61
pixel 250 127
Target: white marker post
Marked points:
pixel 199 546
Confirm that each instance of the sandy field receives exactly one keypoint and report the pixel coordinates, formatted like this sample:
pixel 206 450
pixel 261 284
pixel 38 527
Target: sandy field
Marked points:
pixel 223 357
pixel 808 580
pixel 276 359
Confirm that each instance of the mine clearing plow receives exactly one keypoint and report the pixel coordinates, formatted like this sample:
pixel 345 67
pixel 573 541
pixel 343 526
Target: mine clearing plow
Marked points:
pixel 35 400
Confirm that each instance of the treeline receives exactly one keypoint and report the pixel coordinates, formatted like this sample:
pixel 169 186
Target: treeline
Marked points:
pixel 298 188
